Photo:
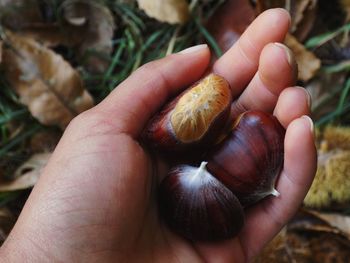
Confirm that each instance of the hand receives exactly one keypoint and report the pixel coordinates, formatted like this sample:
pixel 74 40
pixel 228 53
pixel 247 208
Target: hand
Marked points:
pixel 95 199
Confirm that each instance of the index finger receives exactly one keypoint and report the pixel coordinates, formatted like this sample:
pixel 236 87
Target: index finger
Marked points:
pixel 239 64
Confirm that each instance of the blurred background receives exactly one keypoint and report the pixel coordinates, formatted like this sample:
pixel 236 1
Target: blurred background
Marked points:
pixel 61 57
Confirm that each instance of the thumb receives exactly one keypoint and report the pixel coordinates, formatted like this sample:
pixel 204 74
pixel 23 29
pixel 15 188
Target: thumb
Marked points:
pixel 138 97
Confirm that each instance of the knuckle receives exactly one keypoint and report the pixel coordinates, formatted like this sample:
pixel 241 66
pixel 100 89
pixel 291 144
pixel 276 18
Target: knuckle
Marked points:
pixel 79 119
pixel 147 68
pixel 92 122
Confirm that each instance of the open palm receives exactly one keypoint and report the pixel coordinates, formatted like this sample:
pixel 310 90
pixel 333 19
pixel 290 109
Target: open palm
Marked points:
pixel 96 198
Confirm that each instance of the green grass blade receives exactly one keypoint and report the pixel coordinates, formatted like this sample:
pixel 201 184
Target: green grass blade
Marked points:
pixel 344 95
pixel 324 38
pixel 12 116
pixel 342 66
pixel 17 140
pixel 212 42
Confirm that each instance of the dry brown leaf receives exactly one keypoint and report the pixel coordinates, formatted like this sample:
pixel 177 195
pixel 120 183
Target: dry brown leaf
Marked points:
pixel 307 238
pixel 339 221
pixel 303 13
pixel 26 175
pixel 49 36
pixel 170 11
pixel 308 63
pixel 31 18
pixel 44 81
pixel 86 25
pixel 44 141
pixel 346 6
pixel 90 25
pixel 304 17
pixel 275 251
pixel 320 89
pixel 19 14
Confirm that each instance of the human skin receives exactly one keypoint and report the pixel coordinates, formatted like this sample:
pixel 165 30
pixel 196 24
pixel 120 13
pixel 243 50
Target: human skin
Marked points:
pixel 95 200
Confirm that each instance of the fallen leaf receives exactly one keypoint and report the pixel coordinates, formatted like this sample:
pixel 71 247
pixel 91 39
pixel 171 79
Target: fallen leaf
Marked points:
pixel 49 36
pixel 91 24
pixel 342 222
pixel 346 6
pixel 27 174
pixel 308 63
pixel 170 11
pixel 44 141
pixel 44 81
pixel 307 238
pixel 275 251
pixel 85 25
pixel 324 90
pixel 20 14
pixel 307 221
pixel 32 18
pixel 303 14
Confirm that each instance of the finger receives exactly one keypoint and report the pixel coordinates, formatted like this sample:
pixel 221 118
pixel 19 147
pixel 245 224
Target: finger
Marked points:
pixel 145 91
pixel 277 70
pixel 239 64
pixel 222 251
pixel 293 103
pixel 267 218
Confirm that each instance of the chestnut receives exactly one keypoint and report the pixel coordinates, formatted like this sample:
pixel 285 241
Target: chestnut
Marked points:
pixel 197 206
pixel 194 118
pixel 249 160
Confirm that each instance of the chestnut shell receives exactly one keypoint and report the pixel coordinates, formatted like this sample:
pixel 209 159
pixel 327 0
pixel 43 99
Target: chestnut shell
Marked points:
pixel 249 160
pixel 193 119
pixel 197 206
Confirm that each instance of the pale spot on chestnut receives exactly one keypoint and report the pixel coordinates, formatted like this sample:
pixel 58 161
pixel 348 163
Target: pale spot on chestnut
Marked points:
pixel 202 105
pixel 194 118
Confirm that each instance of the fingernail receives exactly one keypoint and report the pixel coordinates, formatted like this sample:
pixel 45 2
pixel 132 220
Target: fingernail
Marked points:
pixel 308 96
pixel 289 18
pixel 284 10
pixel 311 123
pixel 309 99
pixel 194 49
pixel 288 52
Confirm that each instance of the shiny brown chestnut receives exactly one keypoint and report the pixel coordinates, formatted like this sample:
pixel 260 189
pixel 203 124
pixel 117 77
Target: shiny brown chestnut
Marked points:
pixel 250 159
pixel 196 117
pixel 197 206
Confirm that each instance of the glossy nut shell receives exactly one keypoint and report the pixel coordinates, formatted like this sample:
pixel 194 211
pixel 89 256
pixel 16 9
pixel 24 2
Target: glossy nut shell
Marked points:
pixel 194 118
pixel 197 206
pixel 249 160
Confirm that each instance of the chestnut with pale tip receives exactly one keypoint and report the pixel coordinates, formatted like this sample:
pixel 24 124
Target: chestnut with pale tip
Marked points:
pixel 250 159
pixel 194 118
pixel 197 206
